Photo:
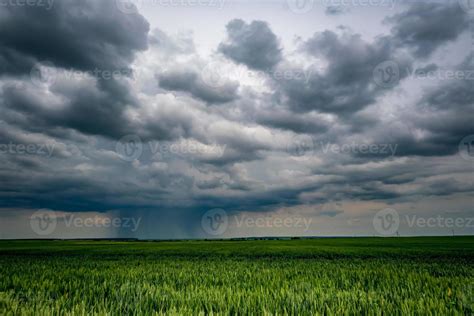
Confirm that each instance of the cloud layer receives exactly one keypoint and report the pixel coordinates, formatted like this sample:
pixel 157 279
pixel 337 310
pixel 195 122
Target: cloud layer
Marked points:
pixel 120 115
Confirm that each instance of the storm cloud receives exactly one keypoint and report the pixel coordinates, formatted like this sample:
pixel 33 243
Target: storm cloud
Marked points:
pixel 156 114
pixel 252 44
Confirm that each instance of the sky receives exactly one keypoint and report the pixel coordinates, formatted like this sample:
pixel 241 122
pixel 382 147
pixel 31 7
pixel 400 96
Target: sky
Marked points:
pixel 169 119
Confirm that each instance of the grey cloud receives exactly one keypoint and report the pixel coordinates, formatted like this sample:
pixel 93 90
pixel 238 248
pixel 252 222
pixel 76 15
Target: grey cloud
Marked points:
pixel 74 35
pixel 252 44
pixel 339 102
pixel 86 109
pixel 426 26
pixel 80 34
pixel 347 84
pixel 169 45
pixel 297 123
pixel 455 94
pixel 336 10
pixel 191 82
pixel 444 113
pixel 423 71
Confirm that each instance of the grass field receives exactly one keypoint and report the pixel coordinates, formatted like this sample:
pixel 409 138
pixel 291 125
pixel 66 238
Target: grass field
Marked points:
pixel 391 276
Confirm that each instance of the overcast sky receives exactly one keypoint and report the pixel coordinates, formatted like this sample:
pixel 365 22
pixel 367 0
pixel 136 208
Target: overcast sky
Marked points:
pixel 217 118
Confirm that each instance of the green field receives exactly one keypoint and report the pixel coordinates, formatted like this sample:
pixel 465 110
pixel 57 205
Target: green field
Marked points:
pixel 375 276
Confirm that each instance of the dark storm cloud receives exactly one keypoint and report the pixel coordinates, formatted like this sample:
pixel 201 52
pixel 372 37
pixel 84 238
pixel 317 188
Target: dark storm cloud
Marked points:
pixel 74 35
pixel 426 26
pixel 80 34
pixel 337 101
pixel 252 44
pixel 86 109
pixel 444 114
pixel 347 84
pixel 191 82
pixel 286 120
pixel 423 71
pixel 454 94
